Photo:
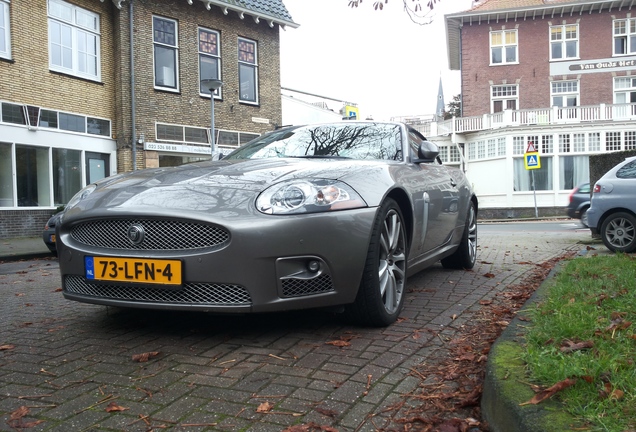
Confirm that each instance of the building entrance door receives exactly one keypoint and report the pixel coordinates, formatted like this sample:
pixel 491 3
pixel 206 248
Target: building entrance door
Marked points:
pixel 96 166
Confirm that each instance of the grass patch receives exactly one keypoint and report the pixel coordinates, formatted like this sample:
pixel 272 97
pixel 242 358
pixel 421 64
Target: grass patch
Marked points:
pixel 585 328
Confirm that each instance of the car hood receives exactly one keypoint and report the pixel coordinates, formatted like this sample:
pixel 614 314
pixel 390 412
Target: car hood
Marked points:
pixel 223 188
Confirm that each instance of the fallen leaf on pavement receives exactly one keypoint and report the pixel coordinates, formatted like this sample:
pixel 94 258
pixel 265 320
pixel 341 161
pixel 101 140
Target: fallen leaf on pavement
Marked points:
pixel 6 347
pixel 113 407
pixel 19 413
pixel 326 412
pixel 264 407
pixel 339 343
pixel 144 357
pixel 310 427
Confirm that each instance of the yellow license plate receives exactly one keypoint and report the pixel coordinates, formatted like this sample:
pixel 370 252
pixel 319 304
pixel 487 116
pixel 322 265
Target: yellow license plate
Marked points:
pixel 138 270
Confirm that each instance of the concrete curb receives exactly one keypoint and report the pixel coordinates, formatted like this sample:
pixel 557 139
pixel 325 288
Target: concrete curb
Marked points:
pixel 505 383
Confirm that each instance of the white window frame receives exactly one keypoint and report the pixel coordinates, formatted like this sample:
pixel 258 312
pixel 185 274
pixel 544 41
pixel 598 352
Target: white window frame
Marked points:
pixel 184 134
pixel 625 30
pixel 209 53
pixel 568 91
pixel 563 41
pixel 504 45
pixel 168 47
pixel 504 93
pixel 76 25
pixel 5 29
pixel 246 63
pixel 624 89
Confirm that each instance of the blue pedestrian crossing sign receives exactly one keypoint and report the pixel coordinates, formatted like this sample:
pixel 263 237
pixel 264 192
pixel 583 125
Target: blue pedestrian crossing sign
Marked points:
pixel 532 160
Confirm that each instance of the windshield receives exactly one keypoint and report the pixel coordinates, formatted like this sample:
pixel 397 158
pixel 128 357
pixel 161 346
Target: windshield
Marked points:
pixel 337 140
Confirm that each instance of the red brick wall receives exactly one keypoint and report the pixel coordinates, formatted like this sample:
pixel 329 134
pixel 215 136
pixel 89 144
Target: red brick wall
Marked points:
pixel 532 74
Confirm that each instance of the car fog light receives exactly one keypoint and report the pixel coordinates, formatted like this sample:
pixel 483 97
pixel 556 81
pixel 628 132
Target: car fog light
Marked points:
pixel 313 266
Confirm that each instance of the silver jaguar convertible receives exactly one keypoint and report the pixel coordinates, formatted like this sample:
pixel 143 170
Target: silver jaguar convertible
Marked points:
pixel 312 216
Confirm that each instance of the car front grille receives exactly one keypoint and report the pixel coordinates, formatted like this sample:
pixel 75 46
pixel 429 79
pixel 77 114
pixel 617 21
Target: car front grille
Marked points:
pixel 200 294
pixel 164 235
pixel 302 287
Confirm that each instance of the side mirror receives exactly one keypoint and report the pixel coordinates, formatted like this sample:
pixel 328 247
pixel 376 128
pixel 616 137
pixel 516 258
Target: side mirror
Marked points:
pixel 427 152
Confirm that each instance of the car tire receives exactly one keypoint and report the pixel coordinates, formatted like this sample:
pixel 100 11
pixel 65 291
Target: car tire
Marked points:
pixel 466 254
pixel 381 293
pixel 618 232
pixel 584 217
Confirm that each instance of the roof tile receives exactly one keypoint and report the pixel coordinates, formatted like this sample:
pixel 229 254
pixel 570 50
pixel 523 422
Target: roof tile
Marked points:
pixel 273 8
pixel 486 5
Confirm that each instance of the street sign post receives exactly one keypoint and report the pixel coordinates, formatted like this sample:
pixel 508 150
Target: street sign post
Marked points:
pixel 532 161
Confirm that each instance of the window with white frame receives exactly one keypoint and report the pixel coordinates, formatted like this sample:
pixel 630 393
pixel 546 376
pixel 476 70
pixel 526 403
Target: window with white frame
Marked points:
pixel 612 141
pixel 624 36
pixel 165 39
pixel 471 151
pixel 564 93
pixel 503 97
pixel 248 71
pixel 455 155
pixel 525 180
pixel 492 148
pixel 74 40
pixel 443 153
pixel 481 149
pixel 229 138
pixel 181 133
pixel 34 116
pixel 564 42
pixel 503 47
pixel 578 142
pixel 573 170
pixel 518 145
pixel 501 146
pixel 564 143
pixel 5 31
pixel 624 90
pixel 630 140
pixel 594 141
pixel 209 58
pixel 547 145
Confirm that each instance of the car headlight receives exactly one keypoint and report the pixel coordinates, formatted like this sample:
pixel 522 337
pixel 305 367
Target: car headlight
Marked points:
pixel 80 196
pixel 308 196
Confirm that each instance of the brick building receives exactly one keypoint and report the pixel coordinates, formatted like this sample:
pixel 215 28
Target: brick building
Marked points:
pixel 557 74
pixel 80 99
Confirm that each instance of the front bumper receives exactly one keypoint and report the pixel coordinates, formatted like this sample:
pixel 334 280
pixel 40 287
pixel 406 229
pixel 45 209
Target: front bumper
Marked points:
pixel 263 267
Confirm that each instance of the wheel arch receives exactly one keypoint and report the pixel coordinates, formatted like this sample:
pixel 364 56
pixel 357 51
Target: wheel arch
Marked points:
pixel 611 212
pixel 583 205
pixel 402 199
pixel 474 200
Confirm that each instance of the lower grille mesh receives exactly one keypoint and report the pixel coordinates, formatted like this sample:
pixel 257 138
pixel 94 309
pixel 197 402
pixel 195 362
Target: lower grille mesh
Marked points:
pixel 303 287
pixel 192 293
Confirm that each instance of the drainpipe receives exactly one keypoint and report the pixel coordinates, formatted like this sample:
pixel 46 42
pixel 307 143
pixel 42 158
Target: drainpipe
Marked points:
pixel 132 87
pixel 461 67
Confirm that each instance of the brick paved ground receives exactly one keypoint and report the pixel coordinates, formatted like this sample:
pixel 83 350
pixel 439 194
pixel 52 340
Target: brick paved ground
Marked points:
pixel 66 361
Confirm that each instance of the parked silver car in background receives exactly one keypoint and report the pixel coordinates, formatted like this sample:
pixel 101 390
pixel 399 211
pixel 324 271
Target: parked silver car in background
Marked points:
pixel 315 216
pixel 612 212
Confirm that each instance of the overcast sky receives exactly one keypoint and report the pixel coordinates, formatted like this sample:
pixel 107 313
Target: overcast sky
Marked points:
pixel 380 60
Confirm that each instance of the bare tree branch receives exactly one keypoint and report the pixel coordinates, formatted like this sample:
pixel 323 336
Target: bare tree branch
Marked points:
pixel 413 8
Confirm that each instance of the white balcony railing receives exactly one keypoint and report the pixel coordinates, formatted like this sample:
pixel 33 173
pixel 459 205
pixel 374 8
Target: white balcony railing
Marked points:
pixel 528 117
